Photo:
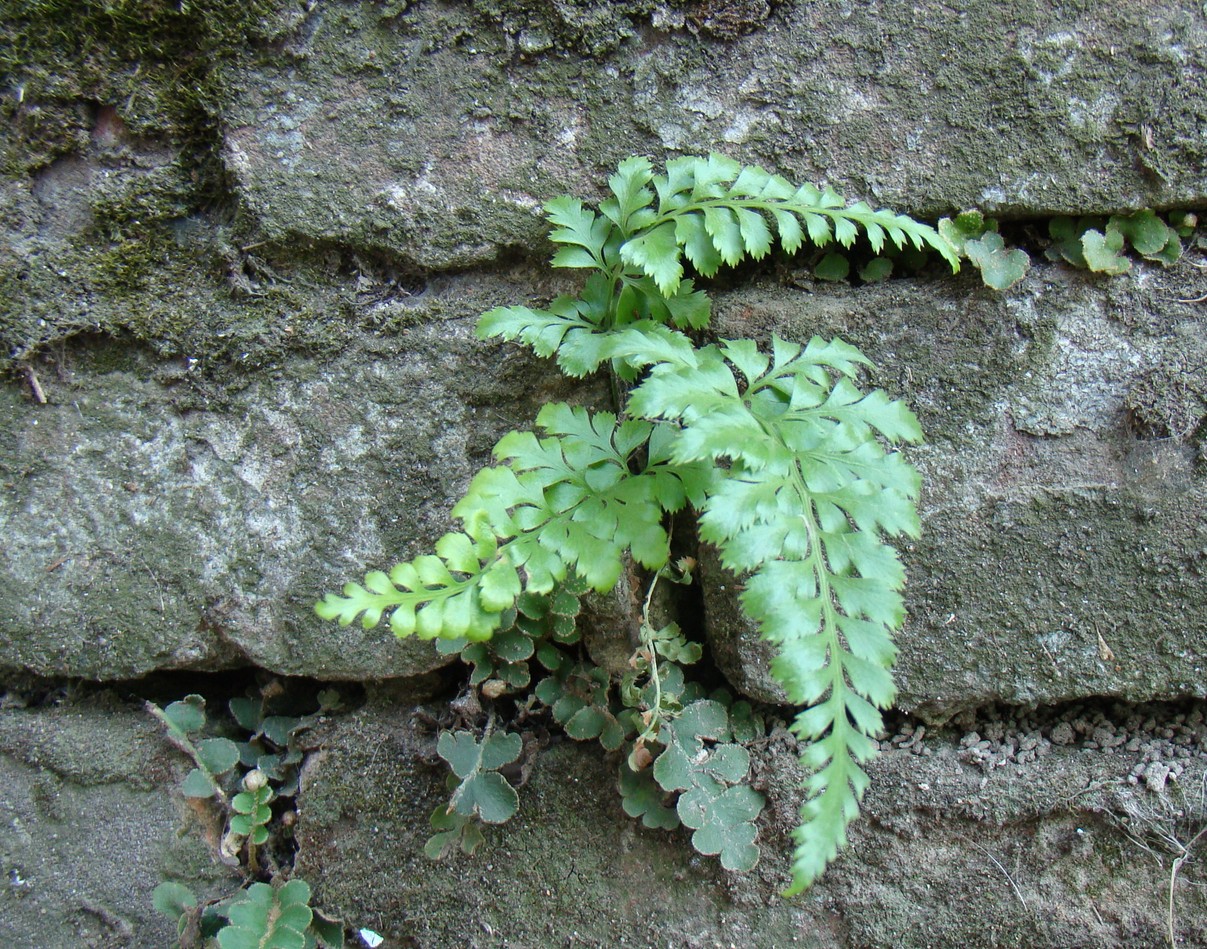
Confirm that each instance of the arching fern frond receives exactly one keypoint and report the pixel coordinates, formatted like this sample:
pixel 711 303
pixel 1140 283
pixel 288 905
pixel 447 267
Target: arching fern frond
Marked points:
pixel 714 211
pixel 808 495
pixel 566 502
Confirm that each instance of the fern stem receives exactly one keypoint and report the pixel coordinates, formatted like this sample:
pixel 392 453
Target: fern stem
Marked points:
pixel 647 640
pixel 182 741
pixel 758 204
pixel 825 592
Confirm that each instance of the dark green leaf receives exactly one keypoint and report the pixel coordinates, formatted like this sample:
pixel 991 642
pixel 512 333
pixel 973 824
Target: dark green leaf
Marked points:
pixel 173 899
pixel 188 714
pixel 876 269
pixel 217 755
pixel 1146 232
pixel 488 795
pixel 247 712
pixel 197 784
pixel 832 267
pixel 641 797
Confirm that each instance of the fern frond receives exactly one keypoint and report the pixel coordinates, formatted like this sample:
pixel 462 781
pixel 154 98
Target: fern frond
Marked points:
pixel 573 330
pixel 714 211
pixel 583 232
pixel 559 504
pixel 268 917
pixel 629 208
pixel 809 492
pixel 788 462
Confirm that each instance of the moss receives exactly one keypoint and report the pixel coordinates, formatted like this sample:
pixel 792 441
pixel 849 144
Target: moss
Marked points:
pixel 154 58
pixel 173 286
pixel 1170 401
pixel 121 203
pixel 117 240
pixel 595 28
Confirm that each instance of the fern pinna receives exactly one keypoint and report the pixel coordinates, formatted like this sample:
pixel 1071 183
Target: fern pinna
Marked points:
pixel 787 462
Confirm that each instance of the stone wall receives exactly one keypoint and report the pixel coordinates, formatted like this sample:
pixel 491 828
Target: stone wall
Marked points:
pixel 244 249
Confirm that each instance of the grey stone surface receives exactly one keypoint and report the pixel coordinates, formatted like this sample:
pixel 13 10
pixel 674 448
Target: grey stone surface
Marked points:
pixel 954 851
pixel 1064 541
pixel 436 132
pixel 163 529
pixel 233 382
pixel 89 822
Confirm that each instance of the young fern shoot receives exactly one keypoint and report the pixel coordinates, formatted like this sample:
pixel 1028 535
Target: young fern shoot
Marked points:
pixel 787 462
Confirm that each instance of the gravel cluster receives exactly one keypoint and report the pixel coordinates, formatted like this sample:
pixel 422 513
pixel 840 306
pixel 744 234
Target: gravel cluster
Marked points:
pixel 1163 738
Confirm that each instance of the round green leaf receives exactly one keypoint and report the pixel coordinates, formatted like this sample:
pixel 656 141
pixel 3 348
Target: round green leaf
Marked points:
pixel 501 748
pixel 877 269
pixel 247 713
pixel 586 723
pixel 188 714
pixel 1000 268
pixel 704 719
pixel 1146 232
pixel 641 797
pixel 512 646
pixel 728 763
pixel 218 755
pixel 438 844
pixel 460 750
pixel 173 899
pixel 833 267
pixel 1104 252
pixel 197 784
pixel 278 728
pixel 488 795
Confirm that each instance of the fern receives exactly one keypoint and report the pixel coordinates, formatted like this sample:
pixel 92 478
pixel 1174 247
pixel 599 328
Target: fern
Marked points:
pixel 788 463
pixel 269 918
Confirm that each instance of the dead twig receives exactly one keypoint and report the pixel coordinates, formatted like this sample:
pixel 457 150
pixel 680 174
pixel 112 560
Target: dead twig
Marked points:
pixel 1173 879
pixel 1005 873
pixel 1179 860
pixel 35 387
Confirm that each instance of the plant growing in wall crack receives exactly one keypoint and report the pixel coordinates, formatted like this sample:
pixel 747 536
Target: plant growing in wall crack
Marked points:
pixel 787 462
pixel 236 784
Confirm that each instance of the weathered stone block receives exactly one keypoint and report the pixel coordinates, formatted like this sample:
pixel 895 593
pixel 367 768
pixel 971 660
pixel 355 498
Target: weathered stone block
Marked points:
pixel 89 823
pixel 435 133
pixel 161 530
pixel 951 852
pixel 1064 541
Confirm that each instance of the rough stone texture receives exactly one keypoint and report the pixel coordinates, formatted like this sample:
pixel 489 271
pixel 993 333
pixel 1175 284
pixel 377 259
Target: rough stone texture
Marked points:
pixel 1064 547
pixel 235 380
pixel 89 826
pixel 956 851
pixel 436 132
pixel 169 522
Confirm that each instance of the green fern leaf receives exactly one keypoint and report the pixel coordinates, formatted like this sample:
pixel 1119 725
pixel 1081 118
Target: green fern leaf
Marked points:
pixel 733 207
pixel 569 329
pixel 808 493
pixel 582 231
pixel 656 253
pixel 697 243
pixel 557 505
pixel 629 208
pixel 268 918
